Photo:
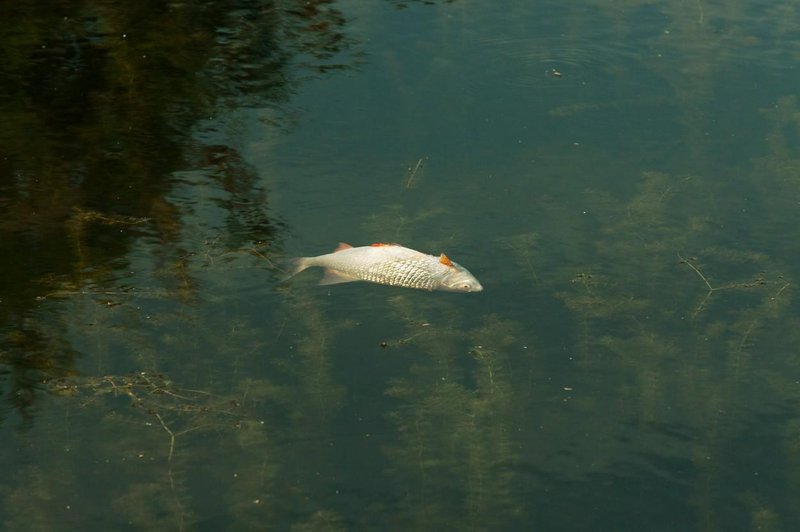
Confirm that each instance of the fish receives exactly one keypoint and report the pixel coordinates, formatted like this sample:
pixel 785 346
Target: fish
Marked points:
pixel 389 264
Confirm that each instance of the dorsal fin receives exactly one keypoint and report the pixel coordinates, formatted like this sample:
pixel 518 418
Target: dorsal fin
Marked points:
pixel 447 262
pixel 381 244
pixel 341 246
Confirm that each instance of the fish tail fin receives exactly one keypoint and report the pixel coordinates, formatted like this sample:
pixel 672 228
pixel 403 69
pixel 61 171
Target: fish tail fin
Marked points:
pixel 295 266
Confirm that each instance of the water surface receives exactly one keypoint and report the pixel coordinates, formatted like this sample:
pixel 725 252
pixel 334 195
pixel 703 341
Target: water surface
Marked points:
pixel 621 177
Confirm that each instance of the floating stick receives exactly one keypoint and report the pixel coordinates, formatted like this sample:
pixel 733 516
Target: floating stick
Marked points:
pixel 410 181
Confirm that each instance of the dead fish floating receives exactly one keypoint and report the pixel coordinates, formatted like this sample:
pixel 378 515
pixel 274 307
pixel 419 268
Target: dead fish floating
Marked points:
pixel 390 264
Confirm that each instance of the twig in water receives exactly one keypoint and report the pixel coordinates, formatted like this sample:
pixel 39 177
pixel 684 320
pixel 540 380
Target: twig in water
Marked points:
pixel 171 437
pixel 712 289
pixel 169 470
pixel 698 272
pixel 410 181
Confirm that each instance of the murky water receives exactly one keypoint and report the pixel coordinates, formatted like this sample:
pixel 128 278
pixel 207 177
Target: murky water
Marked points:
pixel 621 177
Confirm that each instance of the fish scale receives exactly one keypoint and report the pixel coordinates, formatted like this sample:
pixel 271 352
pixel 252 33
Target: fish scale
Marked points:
pixel 409 273
pixel 390 264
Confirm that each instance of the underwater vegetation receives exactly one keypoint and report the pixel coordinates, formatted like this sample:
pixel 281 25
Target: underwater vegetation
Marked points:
pixel 634 345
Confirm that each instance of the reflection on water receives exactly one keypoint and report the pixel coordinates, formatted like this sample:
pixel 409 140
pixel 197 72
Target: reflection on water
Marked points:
pixel 622 177
pixel 99 113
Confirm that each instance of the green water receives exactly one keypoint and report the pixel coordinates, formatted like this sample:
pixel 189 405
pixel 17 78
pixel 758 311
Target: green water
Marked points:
pixel 622 177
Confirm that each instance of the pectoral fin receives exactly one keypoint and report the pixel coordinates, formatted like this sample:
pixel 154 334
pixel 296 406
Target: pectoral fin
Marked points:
pixel 334 277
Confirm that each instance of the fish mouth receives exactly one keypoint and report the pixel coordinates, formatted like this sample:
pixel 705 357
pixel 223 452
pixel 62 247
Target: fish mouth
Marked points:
pixel 475 286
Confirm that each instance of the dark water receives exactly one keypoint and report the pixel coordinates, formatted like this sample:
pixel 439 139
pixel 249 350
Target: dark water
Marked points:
pixel 622 177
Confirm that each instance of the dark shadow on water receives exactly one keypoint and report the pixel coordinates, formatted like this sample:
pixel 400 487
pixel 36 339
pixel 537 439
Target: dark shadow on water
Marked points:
pixel 101 103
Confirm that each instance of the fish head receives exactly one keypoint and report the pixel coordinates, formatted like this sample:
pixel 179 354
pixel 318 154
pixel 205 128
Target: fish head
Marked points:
pixel 456 278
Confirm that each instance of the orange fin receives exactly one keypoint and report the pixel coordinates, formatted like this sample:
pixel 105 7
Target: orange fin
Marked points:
pixel 341 246
pixel 447 262
pixel 381 244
